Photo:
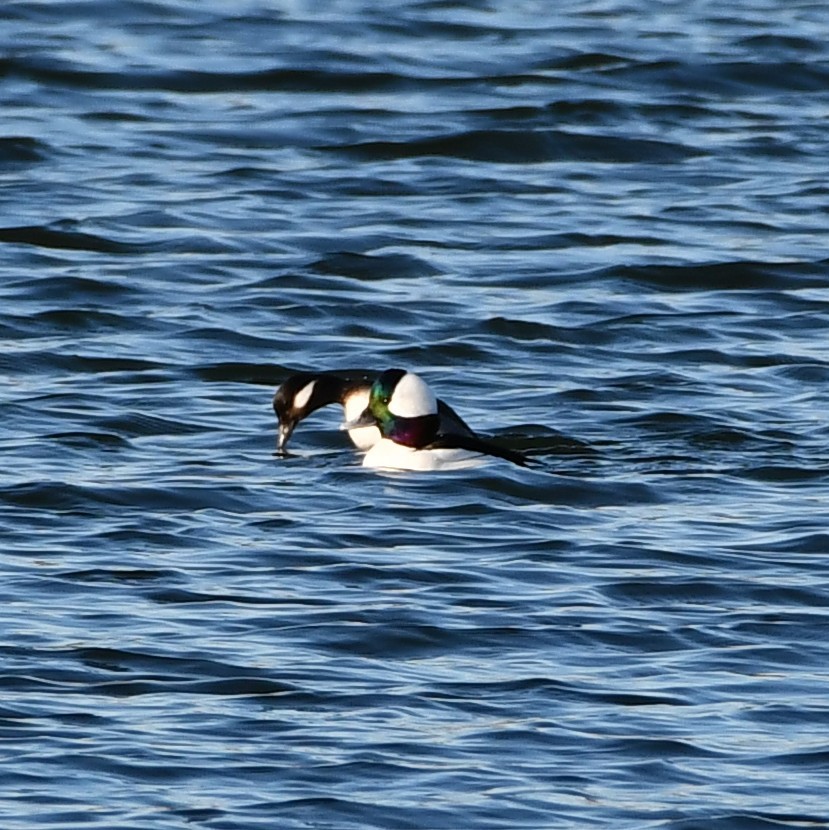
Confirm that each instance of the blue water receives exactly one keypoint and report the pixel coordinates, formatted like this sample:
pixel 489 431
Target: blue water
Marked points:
pixel 599 230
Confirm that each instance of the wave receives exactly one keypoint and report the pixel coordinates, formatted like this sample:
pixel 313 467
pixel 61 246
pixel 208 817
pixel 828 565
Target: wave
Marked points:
pixel 43 236
pixel 525 147
pixel 22 150
pixel 737 275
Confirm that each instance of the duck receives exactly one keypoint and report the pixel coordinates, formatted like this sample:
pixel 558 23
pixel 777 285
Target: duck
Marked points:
pixel 305 392
pixel 405 410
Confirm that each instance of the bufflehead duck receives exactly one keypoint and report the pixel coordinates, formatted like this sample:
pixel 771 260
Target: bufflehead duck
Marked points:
pixel 304 393
pixel 405 410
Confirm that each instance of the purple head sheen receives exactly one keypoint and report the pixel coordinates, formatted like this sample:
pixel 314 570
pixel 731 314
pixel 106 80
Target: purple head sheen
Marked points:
pixel 412 432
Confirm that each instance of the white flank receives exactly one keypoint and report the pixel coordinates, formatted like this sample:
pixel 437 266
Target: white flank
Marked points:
pixel 304 395
pixel 412 398
pixel 390 456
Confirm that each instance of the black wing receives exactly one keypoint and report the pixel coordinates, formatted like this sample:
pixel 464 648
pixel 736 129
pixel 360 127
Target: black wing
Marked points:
pixel 451 423
pixel 473 443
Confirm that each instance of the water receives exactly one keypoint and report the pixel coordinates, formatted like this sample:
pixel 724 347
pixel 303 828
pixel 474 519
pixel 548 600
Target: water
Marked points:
pixel 598 231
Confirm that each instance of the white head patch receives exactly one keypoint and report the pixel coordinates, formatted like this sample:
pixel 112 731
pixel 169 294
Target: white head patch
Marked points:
pixel 412 398
pixel 304 395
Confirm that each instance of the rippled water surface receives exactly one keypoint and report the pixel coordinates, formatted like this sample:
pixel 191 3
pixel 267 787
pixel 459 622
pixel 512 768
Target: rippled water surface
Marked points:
pixel 599 230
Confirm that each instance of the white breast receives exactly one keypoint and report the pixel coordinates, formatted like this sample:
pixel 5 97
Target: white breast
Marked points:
pixel 363 437
pixel 390 456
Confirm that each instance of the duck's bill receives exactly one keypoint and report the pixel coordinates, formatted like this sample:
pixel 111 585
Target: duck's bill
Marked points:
pixel 364 419
pixel 282 436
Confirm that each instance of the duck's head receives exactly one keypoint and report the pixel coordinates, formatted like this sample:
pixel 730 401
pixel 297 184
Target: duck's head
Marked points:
pixel 297 398
pixel 403 407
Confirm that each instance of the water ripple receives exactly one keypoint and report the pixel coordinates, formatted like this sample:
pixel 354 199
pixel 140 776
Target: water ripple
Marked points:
pixel 598 233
